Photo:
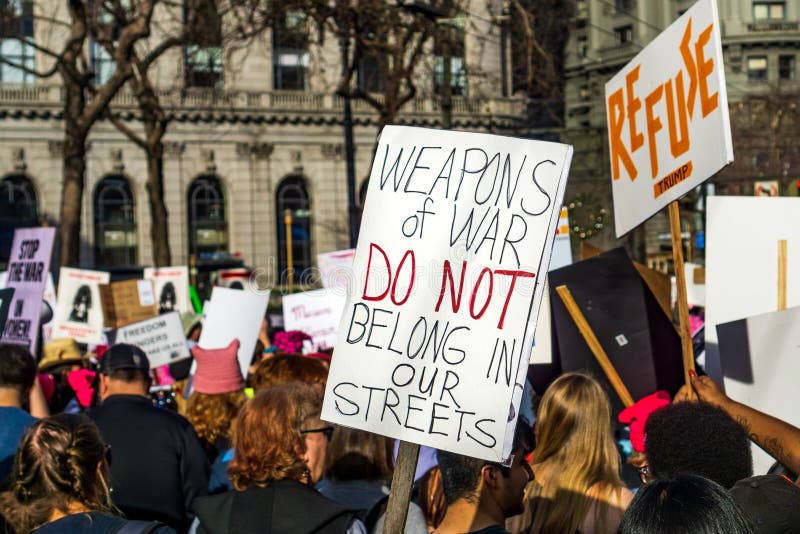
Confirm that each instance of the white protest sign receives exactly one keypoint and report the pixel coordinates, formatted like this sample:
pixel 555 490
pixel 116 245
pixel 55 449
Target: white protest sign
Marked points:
pixel 79 314
pixel 171 288
pixel 448 277
pixel 161 338
pixel 668 121
pixel 336 270
pixel 742 235
pixel 761 362
pixel 317 313
pixel 233 314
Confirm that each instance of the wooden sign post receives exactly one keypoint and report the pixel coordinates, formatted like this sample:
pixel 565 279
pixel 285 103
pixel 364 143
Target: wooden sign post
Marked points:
pixel 680 284
pixel 781 275
pixel 402 482
pixel 595 346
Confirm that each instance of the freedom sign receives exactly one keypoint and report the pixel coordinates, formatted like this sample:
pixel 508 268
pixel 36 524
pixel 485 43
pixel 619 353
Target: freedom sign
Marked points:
pixel 161 337
pixel 448 276
pixel 668 123
pixel 28 268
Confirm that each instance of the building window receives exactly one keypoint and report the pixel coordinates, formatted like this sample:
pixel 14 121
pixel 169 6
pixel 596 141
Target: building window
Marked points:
pixel 623 34
pixel 454 34
pixel 19 208
pixel 769 10
pixel 292 195
pixel 757 68
pixel 290 52
pixel 372 73
pixel 208 226
pixel 16 34
pixel 623 6
pixel 102 63
pixel 114 223
pixel 786 68
pixel 582 46
pixel 203 57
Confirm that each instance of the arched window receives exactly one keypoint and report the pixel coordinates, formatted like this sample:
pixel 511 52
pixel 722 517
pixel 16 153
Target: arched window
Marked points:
pixel 293 196
pixel 208 226
pixel 114 223
pixel 19 208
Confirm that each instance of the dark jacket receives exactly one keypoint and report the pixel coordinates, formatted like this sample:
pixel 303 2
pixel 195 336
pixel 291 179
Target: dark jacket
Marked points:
pixel 158 466
pixel 99 523
pixel 283 507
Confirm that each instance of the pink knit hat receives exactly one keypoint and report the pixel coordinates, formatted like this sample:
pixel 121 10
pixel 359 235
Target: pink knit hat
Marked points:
pixel 217 370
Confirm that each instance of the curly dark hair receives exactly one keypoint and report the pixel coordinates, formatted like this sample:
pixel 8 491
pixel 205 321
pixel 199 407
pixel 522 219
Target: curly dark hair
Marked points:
pixel 696 438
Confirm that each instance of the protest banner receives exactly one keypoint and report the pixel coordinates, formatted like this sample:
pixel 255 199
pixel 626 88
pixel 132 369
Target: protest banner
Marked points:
pixel 79 313
pixel 171 287
pixel 433 344
pixel 668 123
pixel 317 313
pixel 562 248
pixel 28 267
pixel 760 359
pixel 742 262
pixel 127 302
pixel 238 278
pixel 233 314
pixel 336 270
pixel 6 294
pixel 161 338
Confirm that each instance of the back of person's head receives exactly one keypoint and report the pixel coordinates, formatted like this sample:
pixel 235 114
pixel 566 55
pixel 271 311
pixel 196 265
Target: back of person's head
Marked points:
pixel 60 462
pixel 573 438
pixel 686 504
pixel 358 455
pixel 285 368
pixel 461 475
pixel 17 368
pixel 699 439
pixel 125 363
pixel 267 438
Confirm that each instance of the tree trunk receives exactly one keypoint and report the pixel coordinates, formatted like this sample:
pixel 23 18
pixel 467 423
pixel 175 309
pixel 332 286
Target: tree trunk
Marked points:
pixel 74 170
pixel 159 230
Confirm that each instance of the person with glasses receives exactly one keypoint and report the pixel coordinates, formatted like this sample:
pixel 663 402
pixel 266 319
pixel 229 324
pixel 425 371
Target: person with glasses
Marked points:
pixel 481 495
pixel 280 446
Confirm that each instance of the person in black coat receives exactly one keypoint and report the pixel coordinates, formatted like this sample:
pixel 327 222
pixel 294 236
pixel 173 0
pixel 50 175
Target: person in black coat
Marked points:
pixel 280 445
pixel 159 466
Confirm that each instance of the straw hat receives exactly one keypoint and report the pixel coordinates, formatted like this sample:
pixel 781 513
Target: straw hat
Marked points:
pixel 60 351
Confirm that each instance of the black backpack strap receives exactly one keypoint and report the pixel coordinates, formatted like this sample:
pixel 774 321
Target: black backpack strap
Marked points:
pixel 139 527
pixel 378 509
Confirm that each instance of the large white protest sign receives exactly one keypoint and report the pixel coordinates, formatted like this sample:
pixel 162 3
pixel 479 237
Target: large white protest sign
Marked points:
pixel 317 313
pixel 336 270
pixel 161 338
pixel 668 121
pixel 28 268
pixel 742 261
pixel 233 314
pixel 79 314
pixel 171 288
pixel 761 363
pixel 456 236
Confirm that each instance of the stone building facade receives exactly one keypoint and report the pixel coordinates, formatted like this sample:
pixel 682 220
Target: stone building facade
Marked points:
pixel 256 130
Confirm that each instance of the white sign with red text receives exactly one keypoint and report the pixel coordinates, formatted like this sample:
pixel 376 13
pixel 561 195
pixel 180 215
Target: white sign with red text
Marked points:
pixel 171 288
pixel 317 313
pixel 668 122
pixel 79 314
pixel 455 241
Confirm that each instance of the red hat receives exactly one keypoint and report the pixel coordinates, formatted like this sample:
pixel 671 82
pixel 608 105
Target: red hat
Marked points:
pixel 637 414
pixel 217 370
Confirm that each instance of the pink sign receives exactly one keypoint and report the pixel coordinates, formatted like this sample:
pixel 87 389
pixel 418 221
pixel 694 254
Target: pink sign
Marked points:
pixel 28 266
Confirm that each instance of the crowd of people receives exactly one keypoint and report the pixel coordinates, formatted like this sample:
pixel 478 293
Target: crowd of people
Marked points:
pixel 99 442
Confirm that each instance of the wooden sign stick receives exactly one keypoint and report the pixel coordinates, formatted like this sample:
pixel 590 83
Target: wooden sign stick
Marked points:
pixel 595 346
pixel 680 283
pixel 402 482
pixel 781 275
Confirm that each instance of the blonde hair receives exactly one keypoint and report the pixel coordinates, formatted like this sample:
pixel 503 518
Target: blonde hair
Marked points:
pixel 573 439
pixel 213 415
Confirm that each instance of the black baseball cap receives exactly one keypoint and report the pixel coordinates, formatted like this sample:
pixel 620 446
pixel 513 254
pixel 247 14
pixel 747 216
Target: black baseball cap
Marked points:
pixel 124 356
pixel 771 501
